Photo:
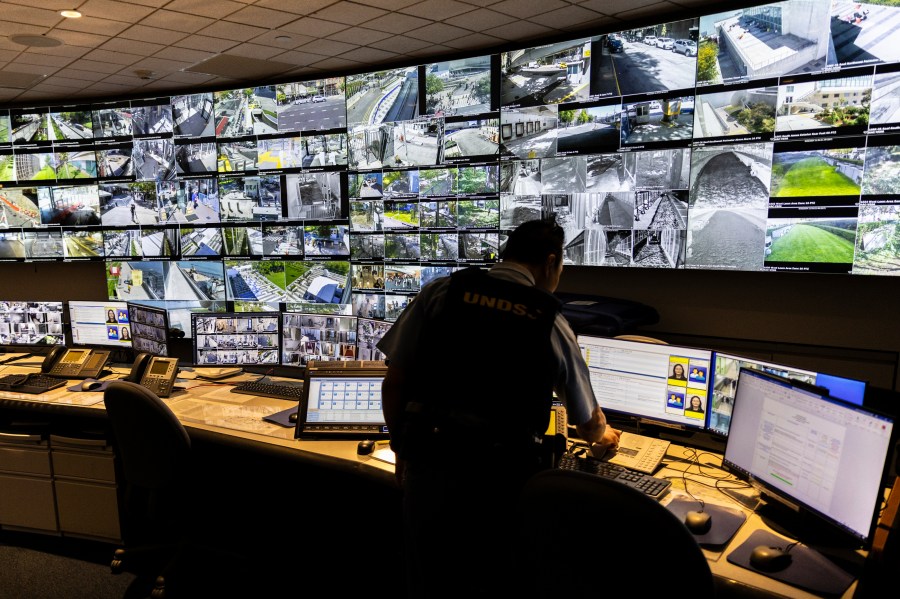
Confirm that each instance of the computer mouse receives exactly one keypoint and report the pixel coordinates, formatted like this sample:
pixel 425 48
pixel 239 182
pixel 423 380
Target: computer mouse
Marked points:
pixel 91 384
pixel 698 522
pixel 365 447
pixel 769 559
pixel 292 417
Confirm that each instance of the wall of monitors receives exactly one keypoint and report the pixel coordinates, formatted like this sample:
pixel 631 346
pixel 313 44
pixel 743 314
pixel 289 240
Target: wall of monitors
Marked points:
pixel 758 139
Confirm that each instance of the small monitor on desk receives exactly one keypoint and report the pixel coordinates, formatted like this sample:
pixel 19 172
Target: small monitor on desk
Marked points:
pixel 322 337
pixel 649 382
pixel 149 329
pixel 101 323
pixel 235 338
pixel 724 382
pixel 342 400
pixel 31 324
pixel 816 455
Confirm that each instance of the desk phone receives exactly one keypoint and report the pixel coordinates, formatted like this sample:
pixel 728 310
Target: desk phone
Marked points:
pixel 156 373
pixel 640 453
pixel 75 363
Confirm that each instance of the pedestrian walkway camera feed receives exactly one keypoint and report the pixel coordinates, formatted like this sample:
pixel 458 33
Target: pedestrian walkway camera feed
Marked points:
pixel 764 138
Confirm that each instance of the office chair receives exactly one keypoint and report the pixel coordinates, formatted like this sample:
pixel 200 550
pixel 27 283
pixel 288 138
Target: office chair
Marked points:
pixel 584 535
pixel 154 454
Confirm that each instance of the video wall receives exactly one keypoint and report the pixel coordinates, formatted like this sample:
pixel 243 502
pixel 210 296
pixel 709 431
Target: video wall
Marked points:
pixel 758 139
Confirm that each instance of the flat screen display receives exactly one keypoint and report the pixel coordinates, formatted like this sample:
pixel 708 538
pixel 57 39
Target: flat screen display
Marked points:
pixel 236 338
pixel 104 323
pixel 31 323
pixel 149 329
pixel 322 337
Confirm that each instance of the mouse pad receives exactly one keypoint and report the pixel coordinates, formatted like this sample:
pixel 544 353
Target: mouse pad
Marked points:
pixel 809 569
pixel 102 387
pixel 282 418
pixel 724 523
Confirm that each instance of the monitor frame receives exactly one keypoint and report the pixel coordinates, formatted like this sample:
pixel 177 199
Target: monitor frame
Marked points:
pixel 106 306
pixel 30 308
pixel 198 323
pixel 161 314
pixel 315 318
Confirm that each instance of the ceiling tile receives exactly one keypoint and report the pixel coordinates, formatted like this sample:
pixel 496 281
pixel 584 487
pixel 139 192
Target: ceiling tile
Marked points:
pixel 327 47
pixel 55 5
pixel 616 7
pixel 216 9
pixel 43 60
pixel 569 17
pixel 153 3
pixel 527 8
pixel 93 25
pixel 268 39
pixel 438 52
pixel 161 66
pixel 397 23
pixel 30 15
pixel 183 54
pixel 63 50
pixel 663 10
pixel 314 27
pixel 359 35
pixel 255 51
pixel 121 58
pixel 56 79
pixel 8 55
pixel 118 44
pixel 120 11
pixel 338 64
pixel 401 44
pixel 437 10
pixel 35 69
pixel 232 31
pixel 121 79
pixel 81 74
pixel 93 65
pixel 177 21
pixel 349 13
pixel 305 7
pixel 107 87
pixel 261 17
pixel 438 33
pixel 300 58
pixel 6 44
pixel 480 19
pixel 153 34
pixel 201 42
pixel 388 4
pixel 474 42
pixel 482 3
pixel 523 30
pixel 369 55
pixel 21 28
pixel 187 77
pixel 78 38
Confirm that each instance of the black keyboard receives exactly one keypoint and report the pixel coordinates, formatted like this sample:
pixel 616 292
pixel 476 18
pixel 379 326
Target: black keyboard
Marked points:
pixel 649 485
pixel 277 390
pixel 34 384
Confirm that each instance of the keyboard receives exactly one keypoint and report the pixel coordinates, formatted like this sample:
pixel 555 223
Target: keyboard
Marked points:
pixel 277 390
pixel 649 485
pixel 34 384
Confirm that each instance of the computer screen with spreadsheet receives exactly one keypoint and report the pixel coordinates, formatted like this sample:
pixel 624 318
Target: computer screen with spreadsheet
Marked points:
pixel 649 382
pixel 101 323
pixel 813 453
pixel 342 399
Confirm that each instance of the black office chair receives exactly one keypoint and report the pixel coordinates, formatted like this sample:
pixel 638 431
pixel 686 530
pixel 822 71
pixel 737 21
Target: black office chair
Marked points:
pixel 154 453
pixel 583 535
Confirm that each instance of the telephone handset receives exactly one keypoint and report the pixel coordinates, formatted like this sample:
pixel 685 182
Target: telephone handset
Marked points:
pixel 156 373
pixel 72 363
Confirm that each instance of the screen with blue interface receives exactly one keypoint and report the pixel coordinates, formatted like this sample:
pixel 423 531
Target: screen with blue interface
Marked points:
pixel 800 446
pixel 103 322
pixel 342 400
pixel 648 381
pixel 726 368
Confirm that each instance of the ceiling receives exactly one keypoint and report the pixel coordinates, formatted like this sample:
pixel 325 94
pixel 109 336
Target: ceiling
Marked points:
pixel 154 47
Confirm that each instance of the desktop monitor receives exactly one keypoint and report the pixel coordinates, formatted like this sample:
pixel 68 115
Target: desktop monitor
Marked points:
pixel 368 333
pixel 649 382
pixel 342 400
pixel 101 323
pixel 824 459
pixel 726 368
pixel 322 337
pixel 235 338
pixel 31 323
pixel 149 329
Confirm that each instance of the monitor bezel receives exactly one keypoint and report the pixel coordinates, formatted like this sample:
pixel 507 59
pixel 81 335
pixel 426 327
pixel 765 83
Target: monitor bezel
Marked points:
pixel 226 315
pixel 339 369
pixel 107 303
pixel 62 325
pixel 134 307
pixel 283 329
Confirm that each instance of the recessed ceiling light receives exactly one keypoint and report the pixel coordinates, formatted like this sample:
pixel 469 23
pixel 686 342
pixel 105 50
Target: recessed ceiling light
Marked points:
pixel 70 14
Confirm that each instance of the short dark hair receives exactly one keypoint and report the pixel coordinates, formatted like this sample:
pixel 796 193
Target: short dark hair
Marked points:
pixel 534 240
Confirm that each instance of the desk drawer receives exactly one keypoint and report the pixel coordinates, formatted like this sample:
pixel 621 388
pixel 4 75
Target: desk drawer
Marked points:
pixel 27 461
pixel 91 466
pixel 27 502
pixel 88 509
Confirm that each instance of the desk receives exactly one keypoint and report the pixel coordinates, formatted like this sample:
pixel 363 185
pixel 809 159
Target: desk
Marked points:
pixel 272 488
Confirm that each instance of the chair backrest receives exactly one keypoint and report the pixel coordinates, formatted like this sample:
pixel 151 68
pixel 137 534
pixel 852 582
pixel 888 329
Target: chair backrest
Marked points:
pixel 582 533
pixel 152 444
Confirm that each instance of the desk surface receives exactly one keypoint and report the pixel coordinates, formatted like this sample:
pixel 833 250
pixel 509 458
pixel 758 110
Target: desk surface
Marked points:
pixel 209 408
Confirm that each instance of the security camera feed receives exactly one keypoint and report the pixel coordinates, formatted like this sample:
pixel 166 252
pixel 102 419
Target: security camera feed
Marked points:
pixel 279 153
pixel 236 338
pixel 155 119
pixel 825 104
pixel 192 115
pixel 311 105
pixel 192 159
pixel 149 329
pixel 250 198
pixel 471 138
pixel 112 122
pixel 314 196
pixel 546 74
pixel 82 243
pixel 417 142
pixel 237 156
pixel 72 124
pixel 529 133
pixel 31 323
pixel 324 337
pixel 128 204
pixel 115 162
pixel 159 280
pixel 878 239
pixel 30 126
pixel 861 32
pixel 383 96
pixel 77 205
pixel 19 207
pixel 458 87
pixel 154 160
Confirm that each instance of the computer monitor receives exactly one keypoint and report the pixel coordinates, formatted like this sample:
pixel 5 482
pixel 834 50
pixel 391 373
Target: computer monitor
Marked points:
pixel 724 382
pixel 649 382
pixel 102 323
pixel 323 337
pixel 149 329
pixel 235 338
pixel 821 457
pixel 31 323
pixel 368 333
pixel 342 400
